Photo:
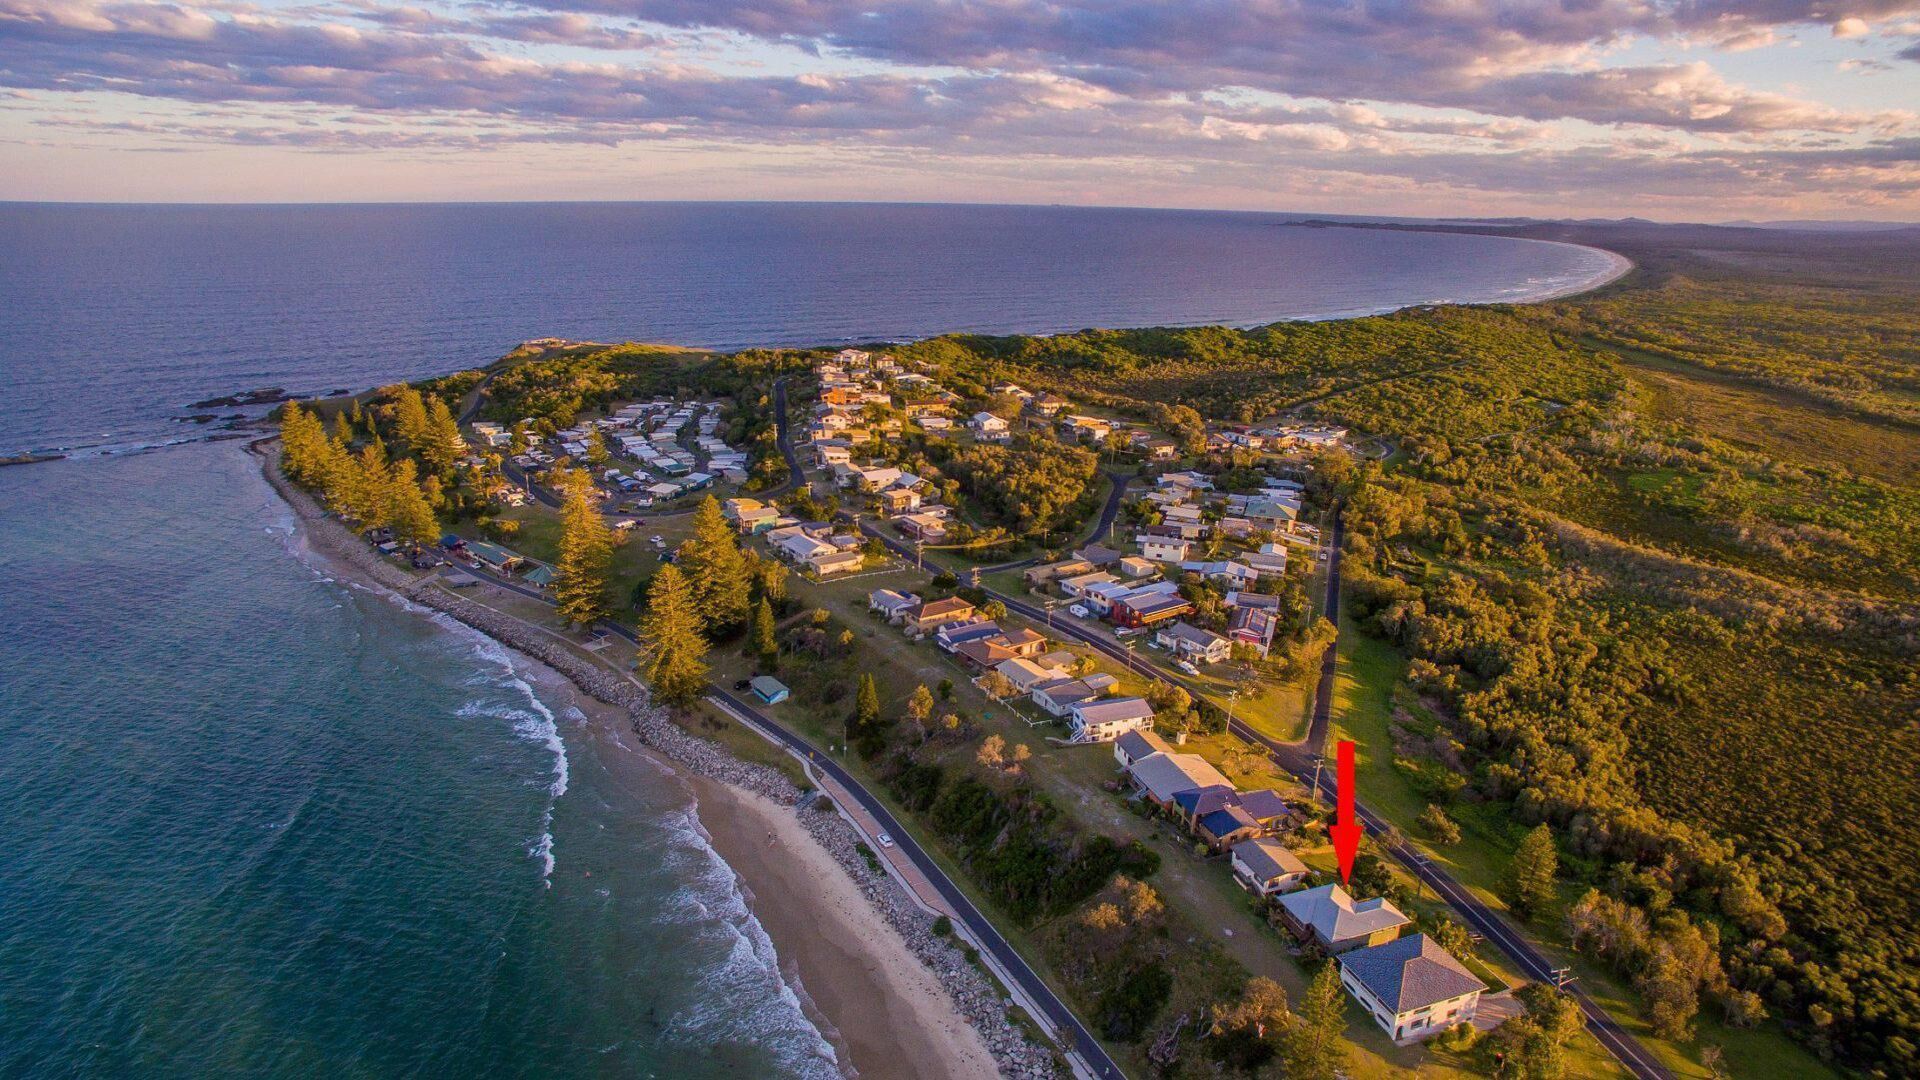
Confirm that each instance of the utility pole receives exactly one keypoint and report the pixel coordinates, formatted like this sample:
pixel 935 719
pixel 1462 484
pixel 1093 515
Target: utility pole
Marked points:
pixel 1318 761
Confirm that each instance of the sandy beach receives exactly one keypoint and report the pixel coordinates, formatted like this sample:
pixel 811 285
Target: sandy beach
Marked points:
pixel 891 1015
pixel 883 1009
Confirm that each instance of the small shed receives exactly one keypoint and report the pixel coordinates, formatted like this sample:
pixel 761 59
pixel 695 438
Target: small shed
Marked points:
pixel 768 689
pixel 541 576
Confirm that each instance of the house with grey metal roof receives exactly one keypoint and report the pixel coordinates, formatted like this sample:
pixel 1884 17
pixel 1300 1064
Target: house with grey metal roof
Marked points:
pixel 1411 987
pixel 1331 918
pixel 1267 867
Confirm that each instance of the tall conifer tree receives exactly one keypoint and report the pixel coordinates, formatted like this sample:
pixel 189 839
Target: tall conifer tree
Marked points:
pixel 586 562
pixel 672 649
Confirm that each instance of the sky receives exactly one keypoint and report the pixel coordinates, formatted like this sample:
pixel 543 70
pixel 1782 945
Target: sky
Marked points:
pixel 1699 110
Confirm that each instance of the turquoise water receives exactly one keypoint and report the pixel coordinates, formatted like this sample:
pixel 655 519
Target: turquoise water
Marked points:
pixel 260 822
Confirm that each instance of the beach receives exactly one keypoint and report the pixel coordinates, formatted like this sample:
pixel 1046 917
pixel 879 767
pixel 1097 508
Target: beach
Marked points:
pixel 887 1011
pixel 841 942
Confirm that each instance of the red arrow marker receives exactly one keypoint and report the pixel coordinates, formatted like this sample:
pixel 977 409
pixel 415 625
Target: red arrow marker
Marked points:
pixel 1346 829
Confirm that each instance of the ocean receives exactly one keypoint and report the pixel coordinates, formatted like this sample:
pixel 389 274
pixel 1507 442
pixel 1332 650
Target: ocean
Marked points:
pixel 261 822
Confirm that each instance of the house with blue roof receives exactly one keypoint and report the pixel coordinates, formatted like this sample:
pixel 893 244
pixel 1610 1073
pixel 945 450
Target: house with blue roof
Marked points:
pixel 1411 987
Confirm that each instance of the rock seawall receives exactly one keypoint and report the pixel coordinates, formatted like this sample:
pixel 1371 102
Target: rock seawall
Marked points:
pixel 974 994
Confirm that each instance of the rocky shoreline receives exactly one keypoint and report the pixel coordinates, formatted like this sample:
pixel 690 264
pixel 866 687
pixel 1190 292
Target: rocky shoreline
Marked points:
pixel 974 994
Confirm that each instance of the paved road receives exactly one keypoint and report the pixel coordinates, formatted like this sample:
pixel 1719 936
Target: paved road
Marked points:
pixel 1299 759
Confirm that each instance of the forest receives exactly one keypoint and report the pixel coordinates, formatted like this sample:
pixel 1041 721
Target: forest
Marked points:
pixel 1666 596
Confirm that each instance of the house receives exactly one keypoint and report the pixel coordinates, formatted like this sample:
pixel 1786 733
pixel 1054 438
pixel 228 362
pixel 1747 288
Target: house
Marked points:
pixel 928 527
pixel 1048 404
pixel 1037 576
pixel 1077 585
pixel 954 635
pixel 1190 642
pixel 1104 721
pixel 1267 808
pixel 1100 557
pixel 890 603
pixel 1267 867
pixel 1026 674
pixel 493 556
pixel 930 615
pixel 982 654
pixel 1160 449
pixel 768 689
pixel 1086 428
pixel 1162 776
pixel 985 425
pixel 541 576
pixel 1135 567
pixel 1253 626
pixel 1412 987
pixel 1330 918
pixel 1146 609
pixel 1165 549
pixel 827 455
pixel 898 501
pixel 1100 598
pixel 835 561
pixel 1134 745
pixel 1061 695
pixel 798 545
pixel 1226 827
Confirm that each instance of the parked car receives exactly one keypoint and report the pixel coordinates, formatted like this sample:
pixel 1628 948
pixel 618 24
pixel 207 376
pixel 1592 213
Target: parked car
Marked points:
pixel 885 840
pixel 656 541
pixel 742 684
pixel 1079 611
pixel 1187 667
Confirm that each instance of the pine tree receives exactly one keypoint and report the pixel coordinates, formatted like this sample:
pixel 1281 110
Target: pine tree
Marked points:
pixel 863 727
pixel 1316 1046
pixel 761 639
pixel 1528 885
pixel 712 562
pixel 408 511
pixel 410 417
pixel 367 485
pixel 302 444
pixel 343 427
pixel 597 455
pixel 441 443
pixel 671 646
pixel 586 562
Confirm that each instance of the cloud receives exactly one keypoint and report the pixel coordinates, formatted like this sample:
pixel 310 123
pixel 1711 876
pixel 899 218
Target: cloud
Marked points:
pixel 1413 94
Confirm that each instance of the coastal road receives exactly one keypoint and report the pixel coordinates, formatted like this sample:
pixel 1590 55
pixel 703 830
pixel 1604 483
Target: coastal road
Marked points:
pixel 1059 1016
pixel 1300 760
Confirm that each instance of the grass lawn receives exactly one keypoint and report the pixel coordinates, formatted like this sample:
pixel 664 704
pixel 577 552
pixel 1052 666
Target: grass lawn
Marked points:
pixel 1363 707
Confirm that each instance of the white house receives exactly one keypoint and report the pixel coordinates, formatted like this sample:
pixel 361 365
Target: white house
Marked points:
pixel 1266 866
pixel 986 425
pixel 889 603
pixel 1190 642
pixel 1106 720
pixel 1165 549
pixel 1134 745
pixel 1411 987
